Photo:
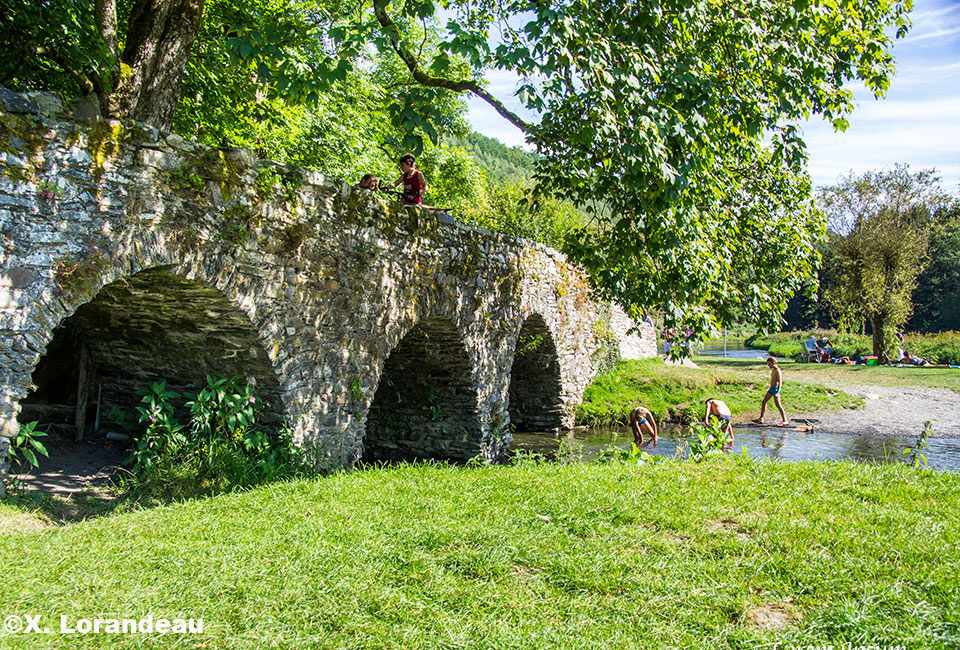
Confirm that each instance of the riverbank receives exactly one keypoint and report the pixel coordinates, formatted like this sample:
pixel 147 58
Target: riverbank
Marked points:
pixel 856 400
pixel 677 393
pixel 726 553
pixel 894 401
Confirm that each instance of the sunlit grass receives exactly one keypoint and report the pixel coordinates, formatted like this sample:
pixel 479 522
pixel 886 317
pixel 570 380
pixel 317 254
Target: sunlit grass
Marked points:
pixel 681 391
pixel 837 374
pixel 673 555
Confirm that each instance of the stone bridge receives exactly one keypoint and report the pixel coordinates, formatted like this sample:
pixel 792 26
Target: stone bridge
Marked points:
pixel 130 255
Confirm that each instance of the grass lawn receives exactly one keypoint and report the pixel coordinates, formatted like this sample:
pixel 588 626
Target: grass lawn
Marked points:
pixel 920 377
pixel 681 391
pixel 730 553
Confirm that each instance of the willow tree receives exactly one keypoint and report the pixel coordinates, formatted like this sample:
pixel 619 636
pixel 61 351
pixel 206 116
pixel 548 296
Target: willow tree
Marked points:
pixel 675 121
pixel 882 222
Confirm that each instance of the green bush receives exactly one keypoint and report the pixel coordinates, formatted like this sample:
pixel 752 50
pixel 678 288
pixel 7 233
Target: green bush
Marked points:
pixel 509 208
pixel 943 347
pixel 791 344
pixel 220 449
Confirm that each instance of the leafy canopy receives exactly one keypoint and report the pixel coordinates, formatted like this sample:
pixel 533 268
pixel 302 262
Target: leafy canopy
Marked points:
pixel 673 121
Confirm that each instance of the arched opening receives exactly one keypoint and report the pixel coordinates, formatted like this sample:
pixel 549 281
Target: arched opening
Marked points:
pixel 426 403
pixel 147 327
pixel 535 403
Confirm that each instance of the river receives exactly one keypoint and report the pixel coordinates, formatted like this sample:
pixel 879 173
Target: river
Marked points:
pixel 787 444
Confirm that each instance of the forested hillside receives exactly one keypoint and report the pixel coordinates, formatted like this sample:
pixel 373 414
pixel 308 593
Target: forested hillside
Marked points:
pixel 501 163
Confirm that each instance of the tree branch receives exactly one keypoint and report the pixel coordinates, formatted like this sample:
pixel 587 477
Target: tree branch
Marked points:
pixel 85 84
pixel 424 79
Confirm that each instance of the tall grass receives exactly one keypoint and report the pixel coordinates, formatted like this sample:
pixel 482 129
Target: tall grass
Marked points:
pixel 942 347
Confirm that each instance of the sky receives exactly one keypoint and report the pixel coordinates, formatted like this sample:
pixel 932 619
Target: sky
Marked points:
pixel 917 123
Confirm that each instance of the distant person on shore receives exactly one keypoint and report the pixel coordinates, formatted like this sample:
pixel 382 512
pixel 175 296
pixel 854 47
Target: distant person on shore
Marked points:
pixel 719 410
pixel 641 419
pixel 776 383
pixel 668 336
pixel 913 360
pixel 414 183
pixel 814 353
pixel 826 351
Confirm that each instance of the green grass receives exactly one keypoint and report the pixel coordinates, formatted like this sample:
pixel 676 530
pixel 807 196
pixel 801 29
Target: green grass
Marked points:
pixel 841 375
pixel 940 347
pixel 670 555
pixel 681 392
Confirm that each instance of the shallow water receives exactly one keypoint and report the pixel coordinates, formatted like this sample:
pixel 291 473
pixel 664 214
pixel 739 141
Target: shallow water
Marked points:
pixel 734 349
pixel 786 444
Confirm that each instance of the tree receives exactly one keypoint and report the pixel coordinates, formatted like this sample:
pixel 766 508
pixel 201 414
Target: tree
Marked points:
pixel 673 121
pixel 937 297
pixel 883 220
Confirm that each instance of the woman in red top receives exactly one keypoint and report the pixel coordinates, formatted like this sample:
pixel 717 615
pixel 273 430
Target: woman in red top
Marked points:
pixel 414 184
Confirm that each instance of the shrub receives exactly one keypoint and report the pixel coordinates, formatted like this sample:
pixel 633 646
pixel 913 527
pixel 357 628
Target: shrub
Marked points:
pixel 221 448
pixel 943 347
pixel 790 344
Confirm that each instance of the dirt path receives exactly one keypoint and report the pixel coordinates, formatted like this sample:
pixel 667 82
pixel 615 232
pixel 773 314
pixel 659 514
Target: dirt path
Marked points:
pixel 890 410
pixel 75 467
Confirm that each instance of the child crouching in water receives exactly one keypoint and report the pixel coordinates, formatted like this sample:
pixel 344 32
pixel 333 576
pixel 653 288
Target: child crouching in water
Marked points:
pixel 641 420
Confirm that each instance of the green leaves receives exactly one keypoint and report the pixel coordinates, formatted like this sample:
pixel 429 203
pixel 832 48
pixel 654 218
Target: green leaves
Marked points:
pixel 25 446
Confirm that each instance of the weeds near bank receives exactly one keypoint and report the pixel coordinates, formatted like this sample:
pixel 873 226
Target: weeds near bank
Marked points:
pixel 917 459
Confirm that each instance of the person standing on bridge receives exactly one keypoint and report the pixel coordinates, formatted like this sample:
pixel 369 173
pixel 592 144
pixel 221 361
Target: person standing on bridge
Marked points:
pixel 414 183
pixel 369 182
pixel 641 419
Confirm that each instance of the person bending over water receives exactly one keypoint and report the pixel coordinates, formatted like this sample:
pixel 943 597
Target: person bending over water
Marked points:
pixel 641 420
pixel 719 409
pixel 776 383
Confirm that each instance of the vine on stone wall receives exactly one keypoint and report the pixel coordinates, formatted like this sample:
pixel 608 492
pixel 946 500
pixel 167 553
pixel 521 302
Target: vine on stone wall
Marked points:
pixel 80 276
pixel 184 179
pixel 607 354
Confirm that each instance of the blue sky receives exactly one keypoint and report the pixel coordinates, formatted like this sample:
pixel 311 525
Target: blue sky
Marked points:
pixel 918 123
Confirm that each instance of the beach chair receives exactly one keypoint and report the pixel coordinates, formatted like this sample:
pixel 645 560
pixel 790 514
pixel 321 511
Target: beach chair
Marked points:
pixel 810 352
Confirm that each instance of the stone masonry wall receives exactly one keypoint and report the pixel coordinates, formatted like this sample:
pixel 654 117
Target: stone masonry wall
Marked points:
pixel 304 286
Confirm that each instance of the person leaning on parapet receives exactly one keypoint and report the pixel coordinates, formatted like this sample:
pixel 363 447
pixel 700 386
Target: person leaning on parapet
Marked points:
pixel 414 183
pixel 641 419
pixel 776 383
pixel 369 182
pixel 719 409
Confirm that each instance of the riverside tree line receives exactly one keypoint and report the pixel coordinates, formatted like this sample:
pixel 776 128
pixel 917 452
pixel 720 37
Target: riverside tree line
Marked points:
pixel 891 260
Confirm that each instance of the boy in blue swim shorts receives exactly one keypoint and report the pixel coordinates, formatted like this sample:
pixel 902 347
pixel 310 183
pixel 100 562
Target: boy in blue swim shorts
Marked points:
pixel 776 382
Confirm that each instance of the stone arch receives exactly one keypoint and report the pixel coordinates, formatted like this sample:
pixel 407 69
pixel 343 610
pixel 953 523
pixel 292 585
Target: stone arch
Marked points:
pixel 425 405
pixel 536 386
pixel 155 324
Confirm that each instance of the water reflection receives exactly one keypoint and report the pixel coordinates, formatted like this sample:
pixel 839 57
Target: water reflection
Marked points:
pixel 715 348
pixel 785 444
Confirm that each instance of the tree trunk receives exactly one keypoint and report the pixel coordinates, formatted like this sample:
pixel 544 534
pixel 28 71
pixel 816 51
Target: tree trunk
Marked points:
pixel 159 40
pixel 879 324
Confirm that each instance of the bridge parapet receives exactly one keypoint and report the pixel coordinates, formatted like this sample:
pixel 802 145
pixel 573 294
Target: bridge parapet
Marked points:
pixel 130 255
